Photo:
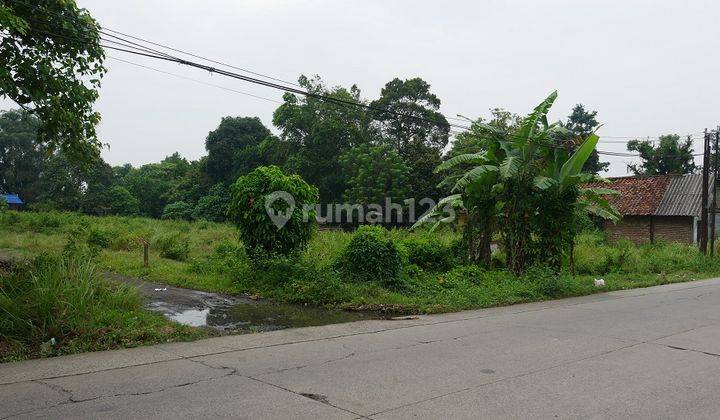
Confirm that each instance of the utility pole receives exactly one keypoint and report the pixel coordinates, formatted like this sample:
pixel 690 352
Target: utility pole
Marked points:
pixel 704 203
pixel 713 207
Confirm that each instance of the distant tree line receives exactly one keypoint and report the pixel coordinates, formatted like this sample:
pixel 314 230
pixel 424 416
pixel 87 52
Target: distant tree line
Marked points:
pixel 351 154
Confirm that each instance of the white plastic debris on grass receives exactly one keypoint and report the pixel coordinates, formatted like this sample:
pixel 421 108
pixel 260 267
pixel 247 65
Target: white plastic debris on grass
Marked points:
pixel 599 283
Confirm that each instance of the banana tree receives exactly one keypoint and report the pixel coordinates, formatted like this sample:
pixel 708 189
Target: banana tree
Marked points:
pixel 509 183
pixel 473 192
pixel 562 197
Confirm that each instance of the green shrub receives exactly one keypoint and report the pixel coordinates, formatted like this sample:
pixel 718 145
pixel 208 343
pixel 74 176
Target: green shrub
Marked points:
pixel 372 256
pixel 100 237
pixel 545 280
pixel 124 241
pixel 178 211
pixel 174 246
pixel 583 222
pixel 227 258
pixel 299 281
pixel 593 255
pixel 252 193
pixel 3 206
pixel 458 250
pixel 427 253
pixel 498 259
pixel 213 206
pixel 42 206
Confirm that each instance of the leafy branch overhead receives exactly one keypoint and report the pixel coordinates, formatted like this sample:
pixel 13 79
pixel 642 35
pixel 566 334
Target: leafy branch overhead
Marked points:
pixel 52 66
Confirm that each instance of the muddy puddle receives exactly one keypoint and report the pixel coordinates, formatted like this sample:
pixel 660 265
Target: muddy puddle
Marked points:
pixel 233 313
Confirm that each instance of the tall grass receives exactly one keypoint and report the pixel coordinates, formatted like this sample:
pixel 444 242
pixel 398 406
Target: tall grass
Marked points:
pixel 58 304
pixel 595 255
pixel 435 277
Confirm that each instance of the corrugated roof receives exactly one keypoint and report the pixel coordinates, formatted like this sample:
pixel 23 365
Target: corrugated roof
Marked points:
pixel 12 198
pixel 683 197
pixel 659 195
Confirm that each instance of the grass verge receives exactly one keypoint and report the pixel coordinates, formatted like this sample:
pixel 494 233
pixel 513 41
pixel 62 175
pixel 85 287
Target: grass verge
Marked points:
pixel 57 304
pixel 207 256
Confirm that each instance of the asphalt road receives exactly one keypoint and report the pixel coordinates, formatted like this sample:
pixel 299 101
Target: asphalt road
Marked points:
pixel 644 353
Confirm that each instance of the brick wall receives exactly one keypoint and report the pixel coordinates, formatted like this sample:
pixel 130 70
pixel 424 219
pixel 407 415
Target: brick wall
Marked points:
pixel 634 228
pixel 674 229
pixel 637 229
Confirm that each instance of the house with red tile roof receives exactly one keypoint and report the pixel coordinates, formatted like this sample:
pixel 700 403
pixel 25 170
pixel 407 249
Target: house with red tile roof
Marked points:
pixel 661 207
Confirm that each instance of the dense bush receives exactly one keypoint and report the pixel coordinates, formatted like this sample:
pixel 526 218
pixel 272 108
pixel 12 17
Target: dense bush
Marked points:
pixel 178 211
pixel 3 205
pixel 100 237
pixel 372 256
pixel 428 253
pixel 174 246
pixel 213 206
pixel 249 208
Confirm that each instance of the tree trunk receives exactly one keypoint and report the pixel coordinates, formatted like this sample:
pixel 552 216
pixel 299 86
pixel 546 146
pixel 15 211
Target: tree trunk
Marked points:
pixel 477 236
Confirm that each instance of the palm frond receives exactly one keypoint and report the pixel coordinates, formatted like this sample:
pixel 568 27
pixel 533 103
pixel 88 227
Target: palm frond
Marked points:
pixel 510 167
pixel 543 182
pixel 529 124
pixel 460 159
pixel 599 191
pixel 595 203
pixel 473 175
pixel 574 164
pixel 454 201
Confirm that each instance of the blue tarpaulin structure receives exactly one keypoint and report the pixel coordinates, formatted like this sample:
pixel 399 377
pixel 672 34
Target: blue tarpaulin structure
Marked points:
pixel 13 200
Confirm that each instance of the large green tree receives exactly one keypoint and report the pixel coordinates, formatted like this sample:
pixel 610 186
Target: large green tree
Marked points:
pixel 581 123
pixel 153 184
pixel 670 156
pixel 408 117
pixel 374 173
pixel 97 183
pixel 234 148
pixel 22 159
pixel 61 184
pixel 213 206
pixel 316 133
pixel 52 63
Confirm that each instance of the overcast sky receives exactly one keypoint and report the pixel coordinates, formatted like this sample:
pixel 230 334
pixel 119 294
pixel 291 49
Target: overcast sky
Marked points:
pixel 647 67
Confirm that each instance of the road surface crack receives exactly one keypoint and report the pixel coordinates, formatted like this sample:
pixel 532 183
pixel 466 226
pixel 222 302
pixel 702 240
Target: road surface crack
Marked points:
pixel 687 349
pixel 72 400
pixel 315 397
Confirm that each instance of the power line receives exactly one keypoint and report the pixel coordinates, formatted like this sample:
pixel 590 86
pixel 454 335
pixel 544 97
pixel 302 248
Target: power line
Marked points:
pixel 203 58
pixel 195 80
pixel 623 154
pixel 136 48
pixel 322 97
pixel 650 137
pixel 220 62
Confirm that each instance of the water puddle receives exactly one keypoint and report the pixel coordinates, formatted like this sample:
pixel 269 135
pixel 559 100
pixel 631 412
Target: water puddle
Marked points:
pixel 256 316
pixel 234 313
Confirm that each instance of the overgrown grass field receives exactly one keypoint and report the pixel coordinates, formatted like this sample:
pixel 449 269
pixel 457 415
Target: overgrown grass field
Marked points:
pixel 56 303
pixel 434 278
